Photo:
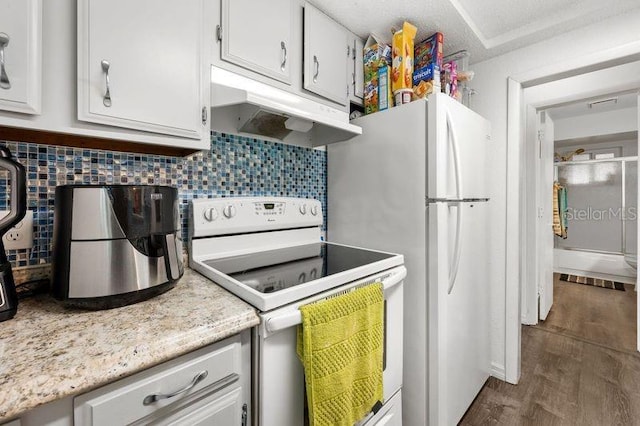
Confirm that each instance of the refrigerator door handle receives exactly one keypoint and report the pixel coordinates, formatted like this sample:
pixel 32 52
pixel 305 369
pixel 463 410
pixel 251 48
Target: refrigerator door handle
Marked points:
pixel 455 263
pixel 456 157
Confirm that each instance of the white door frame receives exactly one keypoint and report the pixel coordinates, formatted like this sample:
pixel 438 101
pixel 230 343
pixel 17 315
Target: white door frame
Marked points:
pixel 544 87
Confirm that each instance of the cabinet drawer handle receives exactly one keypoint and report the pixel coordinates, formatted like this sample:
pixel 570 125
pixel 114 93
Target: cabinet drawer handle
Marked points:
pixel 107 96
pixel 4 79
pixel 283 46
pixel 150 399
pixel 316 64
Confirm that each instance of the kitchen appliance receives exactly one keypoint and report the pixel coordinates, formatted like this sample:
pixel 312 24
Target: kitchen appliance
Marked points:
pixel 18 208
pixel 115 244
pixel 416 183
pixel 242 105
pixel 268 251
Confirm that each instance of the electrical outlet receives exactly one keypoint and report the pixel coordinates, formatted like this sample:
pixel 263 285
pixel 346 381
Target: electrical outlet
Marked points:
pixel 21 235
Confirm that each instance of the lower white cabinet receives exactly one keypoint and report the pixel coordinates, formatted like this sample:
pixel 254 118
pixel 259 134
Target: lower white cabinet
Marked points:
pixel 175 392
pixel 208 386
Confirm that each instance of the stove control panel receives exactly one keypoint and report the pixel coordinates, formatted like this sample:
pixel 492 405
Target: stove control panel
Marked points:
pixel 224 216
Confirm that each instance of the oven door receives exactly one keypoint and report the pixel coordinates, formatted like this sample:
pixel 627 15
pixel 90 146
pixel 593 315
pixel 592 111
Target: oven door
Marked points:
pixel 278 374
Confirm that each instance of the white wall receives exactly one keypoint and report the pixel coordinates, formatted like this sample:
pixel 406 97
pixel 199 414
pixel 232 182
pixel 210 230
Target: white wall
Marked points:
pixel 490 82
pixel 604 123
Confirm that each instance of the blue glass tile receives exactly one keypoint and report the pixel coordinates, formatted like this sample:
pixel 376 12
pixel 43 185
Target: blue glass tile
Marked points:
pixel 234 166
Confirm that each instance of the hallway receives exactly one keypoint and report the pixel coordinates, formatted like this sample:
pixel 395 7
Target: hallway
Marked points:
pixel 580 367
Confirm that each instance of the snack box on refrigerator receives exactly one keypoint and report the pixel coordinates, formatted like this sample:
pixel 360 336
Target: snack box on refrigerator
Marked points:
pixel 429 51
pixel 402 57
pixel 377 90
pixel 426 80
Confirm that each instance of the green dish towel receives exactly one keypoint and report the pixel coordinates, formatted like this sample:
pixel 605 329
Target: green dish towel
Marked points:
pixel 340 344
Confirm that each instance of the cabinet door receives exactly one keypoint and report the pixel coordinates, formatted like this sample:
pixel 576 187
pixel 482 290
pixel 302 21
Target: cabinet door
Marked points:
pixel 141 65
pixel 325 56
pixel 256 35
pixel 20 55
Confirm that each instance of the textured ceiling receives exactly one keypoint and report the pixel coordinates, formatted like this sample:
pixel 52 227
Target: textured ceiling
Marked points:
pixel 485 28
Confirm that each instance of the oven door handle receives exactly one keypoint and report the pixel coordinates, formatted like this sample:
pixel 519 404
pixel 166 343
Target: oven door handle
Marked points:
pixel 292 318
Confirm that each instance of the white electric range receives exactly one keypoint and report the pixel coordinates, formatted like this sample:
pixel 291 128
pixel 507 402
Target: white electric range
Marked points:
pixel 268 251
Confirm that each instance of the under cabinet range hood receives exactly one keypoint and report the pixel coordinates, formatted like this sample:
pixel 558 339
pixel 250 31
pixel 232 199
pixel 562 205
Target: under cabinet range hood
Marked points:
pixel 244 106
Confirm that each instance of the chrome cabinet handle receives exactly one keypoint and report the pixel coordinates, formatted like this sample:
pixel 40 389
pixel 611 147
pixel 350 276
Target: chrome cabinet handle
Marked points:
pixel 107 96
pixel 4 79
pixel 316 64
pixel 283 46
pixel 150 399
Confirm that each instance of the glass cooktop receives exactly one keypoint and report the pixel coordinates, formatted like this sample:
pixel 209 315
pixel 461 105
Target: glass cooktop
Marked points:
pixel 275 270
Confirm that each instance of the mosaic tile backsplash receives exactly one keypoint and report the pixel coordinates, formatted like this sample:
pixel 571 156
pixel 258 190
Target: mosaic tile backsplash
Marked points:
pixel 235 166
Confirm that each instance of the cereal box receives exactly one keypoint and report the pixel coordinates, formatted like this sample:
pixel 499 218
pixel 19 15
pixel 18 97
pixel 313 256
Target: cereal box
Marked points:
pixel 402 57
pixel 377 90
pixel 427 51
pixel 426 80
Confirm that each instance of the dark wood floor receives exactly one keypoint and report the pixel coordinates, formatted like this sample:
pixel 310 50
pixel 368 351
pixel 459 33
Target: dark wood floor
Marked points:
pixel 572 373
pixel 598 315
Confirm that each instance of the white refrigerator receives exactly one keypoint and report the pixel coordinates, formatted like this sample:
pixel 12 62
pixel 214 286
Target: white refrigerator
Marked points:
pixel 415 182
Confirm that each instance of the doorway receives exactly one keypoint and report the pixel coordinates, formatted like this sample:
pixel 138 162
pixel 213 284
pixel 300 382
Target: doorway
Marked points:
pixel 526 101
pixel 588 235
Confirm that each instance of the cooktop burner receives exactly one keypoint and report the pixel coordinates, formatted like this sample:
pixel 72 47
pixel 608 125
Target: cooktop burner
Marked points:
pixel 276 270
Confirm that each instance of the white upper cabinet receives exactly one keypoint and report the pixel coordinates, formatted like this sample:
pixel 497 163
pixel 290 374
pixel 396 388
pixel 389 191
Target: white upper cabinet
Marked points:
pixel 257 35
pixel 355 69
pixel 326 54
pixel 142 65
pixel 20 55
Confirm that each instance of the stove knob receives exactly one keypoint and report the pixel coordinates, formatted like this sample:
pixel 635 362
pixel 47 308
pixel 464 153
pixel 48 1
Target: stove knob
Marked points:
pixel 229 211
pixel 210 214
pixel 303 209
pixel 314 210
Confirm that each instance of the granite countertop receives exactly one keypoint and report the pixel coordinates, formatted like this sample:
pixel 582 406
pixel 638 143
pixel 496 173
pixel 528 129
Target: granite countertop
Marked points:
pixel 48 352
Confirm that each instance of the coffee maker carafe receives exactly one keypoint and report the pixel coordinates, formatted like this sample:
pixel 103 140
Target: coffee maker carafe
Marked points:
pixel 18 208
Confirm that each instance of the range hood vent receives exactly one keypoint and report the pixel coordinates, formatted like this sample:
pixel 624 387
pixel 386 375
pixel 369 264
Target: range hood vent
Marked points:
pixel 244 106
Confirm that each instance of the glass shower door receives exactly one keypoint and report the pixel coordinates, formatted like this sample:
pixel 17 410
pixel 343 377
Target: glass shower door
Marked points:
pixel 595 206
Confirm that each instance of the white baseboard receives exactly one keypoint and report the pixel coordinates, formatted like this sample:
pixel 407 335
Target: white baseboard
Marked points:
pixel 498 371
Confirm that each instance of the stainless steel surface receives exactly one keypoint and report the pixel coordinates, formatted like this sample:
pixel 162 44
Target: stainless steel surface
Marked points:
pixel 316 64
pixel 244 415
pixel 4 79
pixel 107 96
pixel 623 189
pixel 105 268
pixel 588 250
pixel 173 253
pixel 150 399
pixel 600 160
pixel 283 46
pixel 93 216
pixel 205 115
pixel 456 201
